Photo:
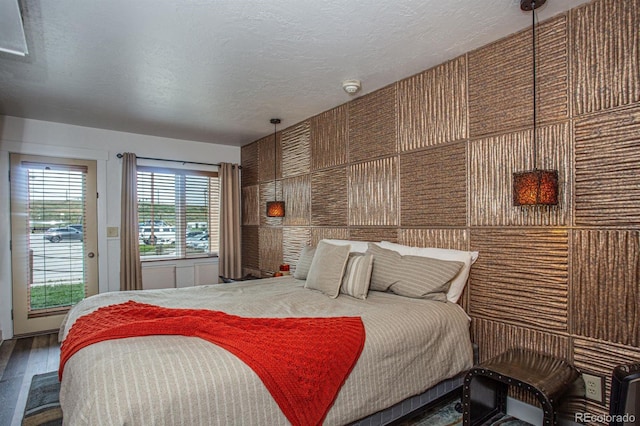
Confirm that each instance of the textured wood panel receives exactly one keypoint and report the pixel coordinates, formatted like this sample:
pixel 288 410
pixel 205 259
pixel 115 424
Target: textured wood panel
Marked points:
pixel 456 239
pixel 606 285
pixel 374 234
pixel 270 246
pixel 606 51
pixel 318 234
pixel 372 125
pixel 521 277
pixel 493 161
pixel 601 358
pixel 297 198
pixel 501 80
pixel 266 157
pixel 250 247
pixel 329 197
pixel 268 193
pixel 251 205
pixel 494 337
pixel 249 162
pixel 433 186
pixel 296 149
pixel 607 175
pixel 373 192
pixel 294 239
pixel 432 106
pixel 329 136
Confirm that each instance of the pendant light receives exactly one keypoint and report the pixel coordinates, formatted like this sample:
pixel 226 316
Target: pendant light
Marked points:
pixel 275 208
pixel 534 187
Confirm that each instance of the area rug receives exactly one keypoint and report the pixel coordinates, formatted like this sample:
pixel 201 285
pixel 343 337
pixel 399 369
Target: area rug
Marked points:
pixel 43 403
pixel 449 413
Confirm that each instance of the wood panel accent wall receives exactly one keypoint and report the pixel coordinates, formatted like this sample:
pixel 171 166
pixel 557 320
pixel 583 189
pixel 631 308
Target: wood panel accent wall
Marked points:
pixel 432 106
pixel 502 70
pixel 421 203
pixel 428 160
pixel 296 152
pixel 329 136
pixel 373 192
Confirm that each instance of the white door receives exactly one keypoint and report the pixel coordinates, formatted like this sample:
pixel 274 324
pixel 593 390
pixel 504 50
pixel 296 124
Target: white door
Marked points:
pixel 54 258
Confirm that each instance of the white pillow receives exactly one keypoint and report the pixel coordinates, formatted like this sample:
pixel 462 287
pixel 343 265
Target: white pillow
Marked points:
pixel 458 283
pixel 356 246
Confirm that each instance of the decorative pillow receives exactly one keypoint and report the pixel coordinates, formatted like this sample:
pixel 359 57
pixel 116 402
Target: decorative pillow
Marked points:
pixel 413 276
pixel 304 263
pixel 327 268
pixel 357 275
pixel 356 246
pixel 425 277
pixel 385 263
pixel 459 281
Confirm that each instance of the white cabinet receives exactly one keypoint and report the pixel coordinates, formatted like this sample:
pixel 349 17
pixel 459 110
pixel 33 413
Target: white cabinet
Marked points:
pixel 179 273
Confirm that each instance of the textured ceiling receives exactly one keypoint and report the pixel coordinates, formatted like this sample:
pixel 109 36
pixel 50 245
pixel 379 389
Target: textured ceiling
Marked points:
pixel 218 70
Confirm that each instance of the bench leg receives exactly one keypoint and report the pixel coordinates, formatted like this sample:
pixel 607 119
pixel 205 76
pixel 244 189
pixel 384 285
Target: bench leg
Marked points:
pixel 489 400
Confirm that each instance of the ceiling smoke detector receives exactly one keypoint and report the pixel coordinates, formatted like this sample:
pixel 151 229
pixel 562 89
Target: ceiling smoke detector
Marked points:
pixel 351 86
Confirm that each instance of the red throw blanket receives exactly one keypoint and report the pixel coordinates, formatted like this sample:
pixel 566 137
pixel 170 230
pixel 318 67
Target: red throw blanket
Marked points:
pixel 303 362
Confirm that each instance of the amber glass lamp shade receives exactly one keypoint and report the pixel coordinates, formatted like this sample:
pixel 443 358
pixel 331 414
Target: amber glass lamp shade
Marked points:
pixel 275 208
pixel 535 187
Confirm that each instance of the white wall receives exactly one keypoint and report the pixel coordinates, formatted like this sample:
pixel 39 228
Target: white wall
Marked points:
pixel 55 139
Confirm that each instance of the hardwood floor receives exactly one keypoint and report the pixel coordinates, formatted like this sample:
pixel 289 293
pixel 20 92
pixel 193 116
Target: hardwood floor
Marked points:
pixel 20 360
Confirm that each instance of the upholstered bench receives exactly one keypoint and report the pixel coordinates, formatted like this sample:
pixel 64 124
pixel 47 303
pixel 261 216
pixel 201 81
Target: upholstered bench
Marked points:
pixel 485 388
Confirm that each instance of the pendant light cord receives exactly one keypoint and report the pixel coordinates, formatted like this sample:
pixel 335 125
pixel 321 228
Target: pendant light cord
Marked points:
pixel 533 38
pixel 275 122
pixel 275 162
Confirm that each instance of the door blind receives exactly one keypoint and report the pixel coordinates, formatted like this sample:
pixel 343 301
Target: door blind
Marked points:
pixel 56 206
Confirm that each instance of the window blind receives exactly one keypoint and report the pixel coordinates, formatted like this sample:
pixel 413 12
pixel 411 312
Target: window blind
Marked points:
pixel 178 212
pixel 56 207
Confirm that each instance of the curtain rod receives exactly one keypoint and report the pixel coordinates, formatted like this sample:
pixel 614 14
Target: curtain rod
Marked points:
pixel 119 155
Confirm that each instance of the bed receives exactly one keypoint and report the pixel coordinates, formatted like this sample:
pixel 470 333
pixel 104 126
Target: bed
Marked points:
pixel 411 345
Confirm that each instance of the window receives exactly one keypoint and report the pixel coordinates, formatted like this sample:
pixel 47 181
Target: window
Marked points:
pixel 178 211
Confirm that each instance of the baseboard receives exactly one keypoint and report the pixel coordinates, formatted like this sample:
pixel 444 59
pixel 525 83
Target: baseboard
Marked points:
pixel 530 413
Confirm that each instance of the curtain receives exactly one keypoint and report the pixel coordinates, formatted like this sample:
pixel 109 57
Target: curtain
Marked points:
pixel 130 267
pixel 230 253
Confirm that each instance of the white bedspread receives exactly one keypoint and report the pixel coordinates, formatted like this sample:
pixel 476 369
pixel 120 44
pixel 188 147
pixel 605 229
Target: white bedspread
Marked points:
pixel 410 345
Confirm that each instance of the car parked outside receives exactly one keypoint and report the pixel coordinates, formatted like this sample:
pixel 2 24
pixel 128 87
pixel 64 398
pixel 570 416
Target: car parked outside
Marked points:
pixel 200 241
pixel 154 223
pixel 157 235
pixel 55 235
pixel 194 234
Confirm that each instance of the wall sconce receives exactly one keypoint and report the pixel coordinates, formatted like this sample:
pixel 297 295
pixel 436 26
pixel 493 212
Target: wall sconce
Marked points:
pixel 275 208
pixel 534 187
